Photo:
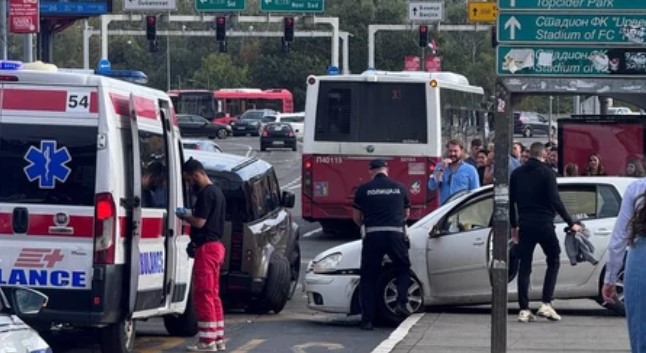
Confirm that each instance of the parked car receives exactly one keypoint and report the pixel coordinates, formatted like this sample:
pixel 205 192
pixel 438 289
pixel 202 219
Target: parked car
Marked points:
pixel 296 120
pixel 278 135
pixel 201 145
pixel 195 125
pixel 262 264
pixel 15 334
pixel 451 251
pixel 621 111
pixel 528 123
pixel 251 122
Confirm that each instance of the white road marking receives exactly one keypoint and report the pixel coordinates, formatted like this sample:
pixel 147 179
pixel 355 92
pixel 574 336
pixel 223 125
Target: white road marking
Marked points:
pixel 312 232
pixel 292 183
pixel 387 345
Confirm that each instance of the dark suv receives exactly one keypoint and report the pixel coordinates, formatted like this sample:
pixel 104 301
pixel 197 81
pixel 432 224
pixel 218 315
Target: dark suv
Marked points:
pixel 528 123
pixel 252 122
pixel 263 255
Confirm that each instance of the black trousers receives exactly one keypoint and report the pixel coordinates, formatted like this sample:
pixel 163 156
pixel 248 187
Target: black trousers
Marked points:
pixel 530 236
pixel 375 246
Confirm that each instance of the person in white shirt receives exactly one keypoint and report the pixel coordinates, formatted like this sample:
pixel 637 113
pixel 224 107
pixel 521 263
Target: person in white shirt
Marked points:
pixel 630 231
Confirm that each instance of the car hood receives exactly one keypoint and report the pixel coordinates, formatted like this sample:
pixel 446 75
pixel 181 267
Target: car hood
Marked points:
pixel 16 336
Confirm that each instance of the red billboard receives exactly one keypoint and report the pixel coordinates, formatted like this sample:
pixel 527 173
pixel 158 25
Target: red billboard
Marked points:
pixel 24 16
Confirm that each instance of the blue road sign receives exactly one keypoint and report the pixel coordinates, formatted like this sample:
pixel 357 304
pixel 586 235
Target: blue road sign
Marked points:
pixel 103 66
pixel 333 70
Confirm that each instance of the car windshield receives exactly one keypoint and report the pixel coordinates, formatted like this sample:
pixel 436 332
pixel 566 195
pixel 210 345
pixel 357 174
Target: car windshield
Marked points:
pixel 252 115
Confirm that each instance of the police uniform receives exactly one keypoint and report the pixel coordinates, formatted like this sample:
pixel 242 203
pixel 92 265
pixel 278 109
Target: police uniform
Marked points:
pixel 382 203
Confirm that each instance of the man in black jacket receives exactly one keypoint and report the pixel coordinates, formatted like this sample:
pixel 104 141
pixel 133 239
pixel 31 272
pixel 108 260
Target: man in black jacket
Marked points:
pixel 534 194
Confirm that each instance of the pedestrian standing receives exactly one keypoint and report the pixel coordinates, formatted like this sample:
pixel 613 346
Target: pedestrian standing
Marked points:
pixel 630 231
pixel 534 195
pixel 476 146
pixel 207 228
pixel 382 207
pixel 452 174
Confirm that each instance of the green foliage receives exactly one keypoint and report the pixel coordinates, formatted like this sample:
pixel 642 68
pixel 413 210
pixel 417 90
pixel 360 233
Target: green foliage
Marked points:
pixel 219 71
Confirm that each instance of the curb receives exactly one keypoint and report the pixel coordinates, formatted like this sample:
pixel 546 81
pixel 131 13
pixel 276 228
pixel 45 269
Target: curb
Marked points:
pixel 387 345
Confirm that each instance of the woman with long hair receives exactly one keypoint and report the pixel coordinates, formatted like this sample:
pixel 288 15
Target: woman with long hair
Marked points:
pixel 594 166
pixel 634 168
pixel 482 161
pixel 630 231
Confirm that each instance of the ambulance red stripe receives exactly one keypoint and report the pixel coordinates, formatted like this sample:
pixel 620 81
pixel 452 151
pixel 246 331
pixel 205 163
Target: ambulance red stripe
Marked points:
pixel 152 228
pixel 94 102
pixel 34 99
pixel 145 107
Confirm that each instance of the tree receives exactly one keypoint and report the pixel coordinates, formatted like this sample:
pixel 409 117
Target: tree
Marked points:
pixel 219 71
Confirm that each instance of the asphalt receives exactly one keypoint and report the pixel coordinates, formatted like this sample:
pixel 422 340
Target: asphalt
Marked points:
pixel 585 327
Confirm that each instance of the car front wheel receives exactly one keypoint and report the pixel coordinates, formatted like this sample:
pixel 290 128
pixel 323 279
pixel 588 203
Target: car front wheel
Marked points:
pixel 222 134
pixel 387 298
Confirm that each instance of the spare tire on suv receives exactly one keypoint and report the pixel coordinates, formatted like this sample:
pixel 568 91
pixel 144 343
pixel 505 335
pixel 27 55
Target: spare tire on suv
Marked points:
pixel 261 239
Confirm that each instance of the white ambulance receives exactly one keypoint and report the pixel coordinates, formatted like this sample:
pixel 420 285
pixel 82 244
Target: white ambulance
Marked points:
pixel 91 176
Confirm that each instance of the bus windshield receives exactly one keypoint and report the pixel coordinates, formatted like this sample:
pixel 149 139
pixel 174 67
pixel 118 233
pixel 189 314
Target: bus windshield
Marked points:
pixel 196 103
pixel 390 112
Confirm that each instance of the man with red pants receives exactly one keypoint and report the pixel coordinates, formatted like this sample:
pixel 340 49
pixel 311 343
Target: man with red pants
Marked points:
pixel 207 227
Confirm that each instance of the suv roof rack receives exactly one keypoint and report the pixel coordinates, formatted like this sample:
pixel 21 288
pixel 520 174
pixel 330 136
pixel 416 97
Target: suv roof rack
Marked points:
pixel 244 163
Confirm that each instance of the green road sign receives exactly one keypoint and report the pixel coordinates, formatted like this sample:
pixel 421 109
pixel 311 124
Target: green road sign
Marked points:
pixel 569 62
pixel 219 5
pixel 571 29
pixel 292 5
pixel 571 5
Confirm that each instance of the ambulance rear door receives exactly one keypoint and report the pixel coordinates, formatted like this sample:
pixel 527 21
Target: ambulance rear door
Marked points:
pixel 48 156
pixel 149 271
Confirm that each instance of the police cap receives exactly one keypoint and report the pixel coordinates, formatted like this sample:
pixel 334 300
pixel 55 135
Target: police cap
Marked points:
pixel 378 163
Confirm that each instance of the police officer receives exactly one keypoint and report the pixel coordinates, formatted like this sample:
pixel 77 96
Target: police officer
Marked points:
pixel 382 207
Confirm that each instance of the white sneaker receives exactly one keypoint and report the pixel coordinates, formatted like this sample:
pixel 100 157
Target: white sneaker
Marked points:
pixel 203 347
pixel 526 316
pixel 220 345
pixel 548 312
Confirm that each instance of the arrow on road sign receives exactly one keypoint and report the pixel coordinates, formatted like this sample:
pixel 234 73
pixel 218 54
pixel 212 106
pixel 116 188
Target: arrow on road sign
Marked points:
pixel 512 25
pixel 415 11
pixel 475 12
pixel 512 3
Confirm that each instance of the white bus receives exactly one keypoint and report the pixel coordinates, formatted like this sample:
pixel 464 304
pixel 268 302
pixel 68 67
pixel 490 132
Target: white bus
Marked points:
pixel 403 117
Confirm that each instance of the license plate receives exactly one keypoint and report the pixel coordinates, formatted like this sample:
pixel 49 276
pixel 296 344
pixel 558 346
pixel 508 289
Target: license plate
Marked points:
pixel 278 142
pixel 240 127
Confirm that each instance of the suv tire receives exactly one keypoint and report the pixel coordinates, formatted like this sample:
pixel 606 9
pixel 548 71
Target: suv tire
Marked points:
pixel 118 337
pixel 184 325
pixel 295 269
pixel 276 292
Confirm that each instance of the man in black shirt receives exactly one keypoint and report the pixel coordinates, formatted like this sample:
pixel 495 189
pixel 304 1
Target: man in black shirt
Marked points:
pixel 533 191
pixel 382 207
pixel 207 227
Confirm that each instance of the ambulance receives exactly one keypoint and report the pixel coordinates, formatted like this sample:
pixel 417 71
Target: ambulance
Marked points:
pixel 91 176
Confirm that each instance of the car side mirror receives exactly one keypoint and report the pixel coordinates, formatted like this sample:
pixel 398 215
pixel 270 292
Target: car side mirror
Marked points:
pixel 435 232
pixel 26 301
pixel 288 199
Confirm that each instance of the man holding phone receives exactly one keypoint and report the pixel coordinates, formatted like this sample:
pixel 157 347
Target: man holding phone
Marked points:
pixel 207 228
pixel 452 174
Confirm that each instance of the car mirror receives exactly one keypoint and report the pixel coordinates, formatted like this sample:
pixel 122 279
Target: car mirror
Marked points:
pixel 435 232
pixel 288 199
pixel 26 301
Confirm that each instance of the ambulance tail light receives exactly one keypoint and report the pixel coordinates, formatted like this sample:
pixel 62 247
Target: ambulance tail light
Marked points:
pixel 105 220
pixel 8 78
pixel 307 175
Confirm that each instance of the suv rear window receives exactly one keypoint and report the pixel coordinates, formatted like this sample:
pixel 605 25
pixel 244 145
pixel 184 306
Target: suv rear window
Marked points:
pixel 48 164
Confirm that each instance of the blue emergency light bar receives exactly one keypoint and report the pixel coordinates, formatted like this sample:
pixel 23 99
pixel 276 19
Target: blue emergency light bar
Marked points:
pixel 125 75
pixel 10 65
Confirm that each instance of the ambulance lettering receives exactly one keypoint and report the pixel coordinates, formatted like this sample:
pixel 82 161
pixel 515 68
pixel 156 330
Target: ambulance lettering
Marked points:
pixel 151 263
pixel 47 164
pixel 28 270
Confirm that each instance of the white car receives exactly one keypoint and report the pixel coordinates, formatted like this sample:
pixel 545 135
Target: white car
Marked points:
pixel 201 145
pixel 450 252
pixel 296 120
pixel 15 335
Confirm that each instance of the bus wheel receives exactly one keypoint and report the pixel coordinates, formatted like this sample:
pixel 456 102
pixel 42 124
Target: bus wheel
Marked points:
pixel 118 337
pixel 184 325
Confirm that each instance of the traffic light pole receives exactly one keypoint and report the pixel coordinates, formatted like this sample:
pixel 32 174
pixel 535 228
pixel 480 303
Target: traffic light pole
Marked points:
pixel 373 29
pixel 332 21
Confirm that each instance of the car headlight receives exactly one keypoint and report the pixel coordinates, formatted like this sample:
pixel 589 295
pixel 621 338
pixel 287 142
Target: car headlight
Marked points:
pixel 328 264
pixel 228 127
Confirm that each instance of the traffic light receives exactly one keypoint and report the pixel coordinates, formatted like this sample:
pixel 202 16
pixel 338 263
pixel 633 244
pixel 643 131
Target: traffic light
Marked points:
pixel 288 29
pixel 423 36
pixel 151 27
pixel 220 28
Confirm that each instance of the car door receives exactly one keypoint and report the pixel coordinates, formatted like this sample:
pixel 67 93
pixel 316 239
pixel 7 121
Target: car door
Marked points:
pixel 596 206
pixel 186 126
pixel 457 250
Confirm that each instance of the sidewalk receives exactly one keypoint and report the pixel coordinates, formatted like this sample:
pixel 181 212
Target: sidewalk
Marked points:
pixel 585 327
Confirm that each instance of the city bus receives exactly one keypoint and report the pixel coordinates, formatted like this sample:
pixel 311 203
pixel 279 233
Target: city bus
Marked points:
pixel 405 118
pixel 231 101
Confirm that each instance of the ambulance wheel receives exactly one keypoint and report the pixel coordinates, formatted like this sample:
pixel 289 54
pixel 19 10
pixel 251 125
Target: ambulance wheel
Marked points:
pixel 118 337
pixel 184 325
pixel 276 292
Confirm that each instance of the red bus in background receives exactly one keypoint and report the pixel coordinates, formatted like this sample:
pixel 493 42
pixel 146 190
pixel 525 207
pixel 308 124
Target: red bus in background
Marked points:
pixel 230 102
pixel 405 118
